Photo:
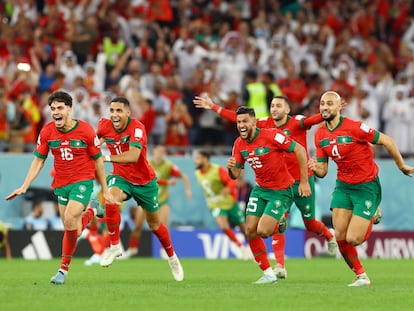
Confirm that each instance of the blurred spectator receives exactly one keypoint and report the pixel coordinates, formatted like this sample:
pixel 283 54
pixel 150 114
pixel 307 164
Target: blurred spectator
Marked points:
pixel 398 119
pixel 232 63
pixel 293 87
pixel 55 221
pixel 7 115
pixel 178 122
pixel 255 94
pixel 148 115
pixel 68 65
pixel 189 55
pixel 207 47
pixel 35 220
pixel 149 79
pixel 272 89
pixel 162 107
pixel 19 127
pixel 132 76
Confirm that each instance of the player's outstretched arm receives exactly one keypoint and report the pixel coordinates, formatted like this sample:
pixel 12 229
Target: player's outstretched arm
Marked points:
pixel 34 170
pixel 205 102
pixel 389 144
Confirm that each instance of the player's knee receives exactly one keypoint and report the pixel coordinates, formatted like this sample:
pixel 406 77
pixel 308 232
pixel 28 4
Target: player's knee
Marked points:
pixel 265 232
pixel 355 240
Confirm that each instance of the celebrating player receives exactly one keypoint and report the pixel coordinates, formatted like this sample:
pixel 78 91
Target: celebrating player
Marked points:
pixel 295 127
pixel 132 177
pixel 77 157
pixel 167 174
pixel 272 195
pixel 357 192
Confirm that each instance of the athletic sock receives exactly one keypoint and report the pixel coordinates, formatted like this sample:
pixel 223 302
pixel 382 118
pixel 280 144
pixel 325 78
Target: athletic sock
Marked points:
pixel 259 251
pixel 369 230
pixel 319 228
pixel 68 248
pixel 350 254
pixel 133 242
pixel 232 236
pixel 113 220
pixel 87 217
pixel 278 245
pixel 163 236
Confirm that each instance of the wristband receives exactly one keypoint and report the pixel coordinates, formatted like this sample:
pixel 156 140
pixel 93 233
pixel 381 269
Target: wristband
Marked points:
pixel 216 108
pixel 107 158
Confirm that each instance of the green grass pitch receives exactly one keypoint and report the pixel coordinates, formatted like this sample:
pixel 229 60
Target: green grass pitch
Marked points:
pixel 147 284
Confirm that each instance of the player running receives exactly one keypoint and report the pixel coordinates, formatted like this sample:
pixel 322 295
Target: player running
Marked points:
pixel 357 193
pixel 132 176
pixel 296 128
pixel 272 196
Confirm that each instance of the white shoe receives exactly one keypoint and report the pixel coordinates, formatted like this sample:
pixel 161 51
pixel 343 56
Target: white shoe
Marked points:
pixel 176 268
pixel 280 272
pixel 95 258
pixel 332 244
pixel 163 253
pixel 110 254
pixel 130 252
pixel 361 280
pixel 266 279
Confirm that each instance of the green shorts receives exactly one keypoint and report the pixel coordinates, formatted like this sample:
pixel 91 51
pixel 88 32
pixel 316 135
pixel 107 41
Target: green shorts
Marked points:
pixel 146 195
pixel 306 205
pixel 363 199
pixel 270 202
pixel 235 215
pixel 80 192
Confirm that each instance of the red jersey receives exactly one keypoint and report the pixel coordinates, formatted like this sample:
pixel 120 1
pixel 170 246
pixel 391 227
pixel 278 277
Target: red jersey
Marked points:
pixel 295 127
pixel 349 146
pixel 265 154
pixel 74 152
pixel 139 173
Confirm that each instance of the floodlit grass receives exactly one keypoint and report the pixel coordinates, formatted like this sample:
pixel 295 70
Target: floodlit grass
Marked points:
pixel 146 284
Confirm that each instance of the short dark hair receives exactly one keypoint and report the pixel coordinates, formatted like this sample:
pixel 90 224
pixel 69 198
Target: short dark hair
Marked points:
pixel 248 110
pixel 251 73
pixel 285 98
pixel 121 99
pixel 204 153
pixel 60 96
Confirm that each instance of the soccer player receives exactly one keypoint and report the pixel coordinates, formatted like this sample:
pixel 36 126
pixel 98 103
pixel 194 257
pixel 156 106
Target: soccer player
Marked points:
pixel 77 160
pixel 357 192
pixel 272 196
pixel 132 176
pixel 295 127
pixel 220 192
pixel 167 174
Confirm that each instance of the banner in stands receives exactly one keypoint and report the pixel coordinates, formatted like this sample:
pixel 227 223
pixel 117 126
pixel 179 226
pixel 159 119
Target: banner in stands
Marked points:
pixel 381 244
pixel 34 245
pixel 214 244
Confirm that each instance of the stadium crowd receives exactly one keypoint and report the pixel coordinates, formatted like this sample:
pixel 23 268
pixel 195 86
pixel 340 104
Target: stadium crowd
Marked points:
pixel 160 54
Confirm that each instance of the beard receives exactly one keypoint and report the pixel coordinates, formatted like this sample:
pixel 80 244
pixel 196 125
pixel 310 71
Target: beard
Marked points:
pixel 329 117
